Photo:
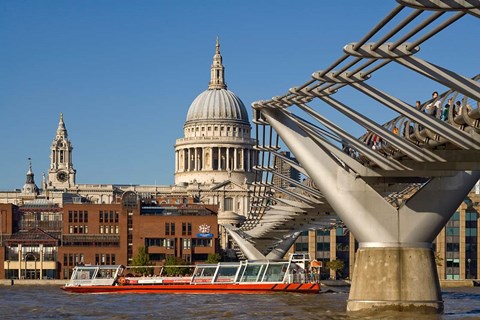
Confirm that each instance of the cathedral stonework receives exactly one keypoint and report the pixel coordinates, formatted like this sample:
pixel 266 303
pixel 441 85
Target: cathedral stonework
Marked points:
pixel 61 174
pixel 217 145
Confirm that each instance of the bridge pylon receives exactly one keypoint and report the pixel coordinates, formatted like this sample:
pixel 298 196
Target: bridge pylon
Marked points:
pixel 395 266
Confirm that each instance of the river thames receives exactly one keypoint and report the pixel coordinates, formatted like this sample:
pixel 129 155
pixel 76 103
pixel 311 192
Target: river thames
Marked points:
pixel 50 302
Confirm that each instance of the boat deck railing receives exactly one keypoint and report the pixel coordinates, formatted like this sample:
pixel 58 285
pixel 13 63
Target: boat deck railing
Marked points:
pixel 263 271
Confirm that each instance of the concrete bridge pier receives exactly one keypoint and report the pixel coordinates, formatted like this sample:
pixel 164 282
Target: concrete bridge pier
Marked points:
pixel 395 278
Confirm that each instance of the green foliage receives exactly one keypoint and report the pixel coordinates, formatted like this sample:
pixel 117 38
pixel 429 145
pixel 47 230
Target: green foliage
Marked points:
pixel 142 259
pixel 173 267
pixel 213 258
pixel 336 265
pixel 438 259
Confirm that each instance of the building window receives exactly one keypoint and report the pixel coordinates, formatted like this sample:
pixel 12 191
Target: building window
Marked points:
pixel 172 228
pixel 100 215
pixel 75 216
pixel 186 243
pixel 201 242
pixel 101 229
pixel 167 228
pixel 70 216
pixel 189 229
pixel 85 216
pixel 228 204
pixel 169 243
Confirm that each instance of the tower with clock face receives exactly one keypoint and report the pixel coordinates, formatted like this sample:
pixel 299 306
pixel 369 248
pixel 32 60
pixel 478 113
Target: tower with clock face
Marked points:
pixel 61 174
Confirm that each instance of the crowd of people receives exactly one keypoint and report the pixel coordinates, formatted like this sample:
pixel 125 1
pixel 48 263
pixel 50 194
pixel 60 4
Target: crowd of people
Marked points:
pixel 434 108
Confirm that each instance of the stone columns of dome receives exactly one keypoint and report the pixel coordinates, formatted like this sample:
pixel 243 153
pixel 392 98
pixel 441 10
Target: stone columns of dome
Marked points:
pixel 195 159
pixel 179 160
pixel 242 159
pixel 248 160
pixel 176 161
pixel 214 158
pixel 200 159
pixel 191 152
pixel 228 158
pixel 207 159
pixel 185 159
pixel 221 159
pixel 235 155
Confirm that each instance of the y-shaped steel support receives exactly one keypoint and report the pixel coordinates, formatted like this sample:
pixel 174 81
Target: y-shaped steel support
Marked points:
pixel 394 267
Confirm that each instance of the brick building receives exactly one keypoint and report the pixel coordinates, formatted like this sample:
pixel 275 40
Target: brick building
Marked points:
pixel 42 240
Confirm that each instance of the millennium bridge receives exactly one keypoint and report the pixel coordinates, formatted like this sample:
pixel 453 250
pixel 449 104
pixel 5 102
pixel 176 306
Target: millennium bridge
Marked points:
pixel 396 186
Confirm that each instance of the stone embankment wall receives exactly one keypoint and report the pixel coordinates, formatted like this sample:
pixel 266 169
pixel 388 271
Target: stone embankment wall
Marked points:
pixel 12 282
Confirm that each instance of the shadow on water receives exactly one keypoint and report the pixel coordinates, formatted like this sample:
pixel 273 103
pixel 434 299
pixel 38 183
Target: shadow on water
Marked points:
pixel 40 302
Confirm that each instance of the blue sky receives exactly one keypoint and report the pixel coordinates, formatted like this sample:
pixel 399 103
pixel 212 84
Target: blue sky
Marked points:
pixel 124 73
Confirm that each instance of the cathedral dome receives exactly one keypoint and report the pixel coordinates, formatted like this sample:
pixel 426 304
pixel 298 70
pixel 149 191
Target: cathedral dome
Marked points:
pixel 213 105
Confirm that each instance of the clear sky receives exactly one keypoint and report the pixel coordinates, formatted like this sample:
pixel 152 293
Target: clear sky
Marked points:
pixel 124 73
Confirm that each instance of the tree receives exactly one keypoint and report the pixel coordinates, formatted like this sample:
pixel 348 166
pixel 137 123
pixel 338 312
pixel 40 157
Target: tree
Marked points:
pixel 213 258
pixel 336 265
pixel 173 267
pixel 142 259
pixel 438 259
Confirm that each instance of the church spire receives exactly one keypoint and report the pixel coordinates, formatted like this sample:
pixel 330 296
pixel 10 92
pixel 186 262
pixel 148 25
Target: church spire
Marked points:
pixel 217 79
pixel 30 187
pixel 61 130
pixel 61 173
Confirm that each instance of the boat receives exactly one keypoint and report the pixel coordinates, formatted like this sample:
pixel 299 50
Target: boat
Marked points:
pixel 244 277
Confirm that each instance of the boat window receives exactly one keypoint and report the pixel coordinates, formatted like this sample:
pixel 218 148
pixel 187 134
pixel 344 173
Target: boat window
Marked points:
pixel 227 273
pixel 275 272
pixel 84 274
pixel 227 270
pixel 204 274
pixel 251 273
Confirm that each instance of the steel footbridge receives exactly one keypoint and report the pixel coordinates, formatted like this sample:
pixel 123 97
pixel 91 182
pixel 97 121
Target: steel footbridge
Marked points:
pixel 397 183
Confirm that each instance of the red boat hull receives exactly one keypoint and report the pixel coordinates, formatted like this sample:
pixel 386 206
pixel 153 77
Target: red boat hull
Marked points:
pixel 257 288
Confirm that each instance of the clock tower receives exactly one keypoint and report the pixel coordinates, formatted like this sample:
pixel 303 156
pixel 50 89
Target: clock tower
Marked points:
pixel 61 174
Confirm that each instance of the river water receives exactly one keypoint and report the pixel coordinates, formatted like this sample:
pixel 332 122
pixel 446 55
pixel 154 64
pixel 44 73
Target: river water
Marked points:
pixel 50 302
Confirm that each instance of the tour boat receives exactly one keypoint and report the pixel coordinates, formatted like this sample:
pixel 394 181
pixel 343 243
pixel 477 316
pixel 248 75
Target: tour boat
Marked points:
pixel 245 277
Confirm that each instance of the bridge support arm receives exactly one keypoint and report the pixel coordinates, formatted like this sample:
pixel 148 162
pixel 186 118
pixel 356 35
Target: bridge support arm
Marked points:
pixel 279 251
pixel 247 248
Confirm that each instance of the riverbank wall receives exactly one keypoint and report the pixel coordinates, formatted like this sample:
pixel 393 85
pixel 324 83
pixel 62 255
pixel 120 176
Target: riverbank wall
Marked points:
pixel 28 282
